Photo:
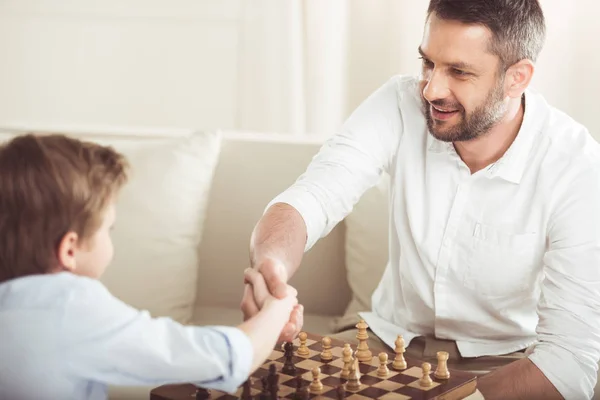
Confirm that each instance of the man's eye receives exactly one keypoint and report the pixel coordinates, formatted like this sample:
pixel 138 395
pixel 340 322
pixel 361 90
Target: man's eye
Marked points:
pixel 459 72
pixel 426 62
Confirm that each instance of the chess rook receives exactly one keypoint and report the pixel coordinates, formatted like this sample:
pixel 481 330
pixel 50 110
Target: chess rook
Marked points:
pixel 441 372
pixel 362 351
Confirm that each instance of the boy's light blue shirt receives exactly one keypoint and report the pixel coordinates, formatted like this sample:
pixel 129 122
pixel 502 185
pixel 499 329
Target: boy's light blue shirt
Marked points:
pixel 66 337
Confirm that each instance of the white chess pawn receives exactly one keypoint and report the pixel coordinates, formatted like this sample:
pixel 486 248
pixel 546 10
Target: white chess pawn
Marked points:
pixel 326 346
pixel 302 350
pixel 316 386
pixel 383 370
pixel 399 361
pixel 347 358
pixel 425 380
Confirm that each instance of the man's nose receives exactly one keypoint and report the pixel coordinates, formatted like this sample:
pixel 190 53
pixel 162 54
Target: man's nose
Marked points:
pixel 436 87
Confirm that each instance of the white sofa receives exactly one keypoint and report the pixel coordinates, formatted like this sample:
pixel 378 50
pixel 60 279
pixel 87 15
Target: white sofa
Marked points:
pixel 185 219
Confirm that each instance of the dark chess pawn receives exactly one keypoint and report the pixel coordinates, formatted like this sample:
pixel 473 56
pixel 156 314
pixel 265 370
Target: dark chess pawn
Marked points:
pixel 288 365
pixel 202 394
pixel 264 395
pixel 301 389
pixel 273 381
pixel 341 392
pixel 246 390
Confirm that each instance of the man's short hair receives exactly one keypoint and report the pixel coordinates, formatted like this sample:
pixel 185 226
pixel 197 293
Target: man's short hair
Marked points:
pixel 517 26
pixel 51 185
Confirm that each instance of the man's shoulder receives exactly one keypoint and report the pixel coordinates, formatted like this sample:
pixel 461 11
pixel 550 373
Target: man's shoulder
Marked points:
pixel 569 143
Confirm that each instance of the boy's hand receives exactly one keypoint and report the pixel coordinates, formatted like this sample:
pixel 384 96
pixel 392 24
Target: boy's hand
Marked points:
pixel 261 285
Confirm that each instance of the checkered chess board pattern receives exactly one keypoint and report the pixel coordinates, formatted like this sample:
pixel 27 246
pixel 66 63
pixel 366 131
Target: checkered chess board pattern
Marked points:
pixel 398 385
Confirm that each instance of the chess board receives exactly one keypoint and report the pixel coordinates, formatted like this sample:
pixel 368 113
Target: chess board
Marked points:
pixel 398 385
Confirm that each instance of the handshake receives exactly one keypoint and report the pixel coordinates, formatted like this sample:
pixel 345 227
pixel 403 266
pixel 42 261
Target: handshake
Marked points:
pixel 266 290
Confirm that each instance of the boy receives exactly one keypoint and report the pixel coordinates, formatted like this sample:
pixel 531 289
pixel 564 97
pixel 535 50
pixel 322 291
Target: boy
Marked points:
pixel 63 335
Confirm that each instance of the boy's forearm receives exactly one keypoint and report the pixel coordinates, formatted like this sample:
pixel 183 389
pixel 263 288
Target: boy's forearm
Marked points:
pixel 518 380
pixel 264 330
pixel 280 234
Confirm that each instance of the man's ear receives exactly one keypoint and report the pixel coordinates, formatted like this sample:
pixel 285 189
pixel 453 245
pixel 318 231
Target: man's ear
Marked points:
pixel 518 78
pixel 67 249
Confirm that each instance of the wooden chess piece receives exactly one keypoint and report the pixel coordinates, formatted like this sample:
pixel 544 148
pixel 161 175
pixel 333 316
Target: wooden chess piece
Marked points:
pixel 425 380
pixel 362 351
pixel 301 389
pixel 202 394
pixel 326 346
pixel 353 384
pixel 399 363
pixel 247 390
pixel 288 365
pixel 383 370
pixel 316 386
pixel 273 381
pixel 340 392
pixel 264 394
pixel 303 349
pixel 347 358
pixel 441 372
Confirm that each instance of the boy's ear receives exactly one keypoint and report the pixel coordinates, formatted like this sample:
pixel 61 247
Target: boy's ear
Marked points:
pixel 67 249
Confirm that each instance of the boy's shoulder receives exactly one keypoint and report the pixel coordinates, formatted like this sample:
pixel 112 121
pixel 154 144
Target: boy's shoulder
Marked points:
pixel 48 290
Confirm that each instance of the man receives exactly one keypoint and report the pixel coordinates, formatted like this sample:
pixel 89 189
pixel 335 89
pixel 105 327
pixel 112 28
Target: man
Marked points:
pixel 494 208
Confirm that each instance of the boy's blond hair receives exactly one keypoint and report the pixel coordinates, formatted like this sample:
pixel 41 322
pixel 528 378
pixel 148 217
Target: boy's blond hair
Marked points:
pixel 51 185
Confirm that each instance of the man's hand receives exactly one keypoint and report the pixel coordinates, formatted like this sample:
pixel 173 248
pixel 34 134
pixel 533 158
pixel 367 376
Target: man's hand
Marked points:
pixel 275 276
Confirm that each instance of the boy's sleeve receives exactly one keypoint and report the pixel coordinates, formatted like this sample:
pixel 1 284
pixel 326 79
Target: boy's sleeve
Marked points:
pixel 108 341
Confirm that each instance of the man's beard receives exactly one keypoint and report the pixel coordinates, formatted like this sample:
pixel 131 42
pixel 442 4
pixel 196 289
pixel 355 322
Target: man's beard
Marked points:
pixel 471 126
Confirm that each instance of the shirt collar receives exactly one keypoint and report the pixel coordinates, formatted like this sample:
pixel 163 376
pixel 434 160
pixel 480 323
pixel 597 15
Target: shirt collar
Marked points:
pixel 512 164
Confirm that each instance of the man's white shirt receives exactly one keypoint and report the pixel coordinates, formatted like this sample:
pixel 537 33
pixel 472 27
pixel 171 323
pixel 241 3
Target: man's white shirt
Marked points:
pixel 500 260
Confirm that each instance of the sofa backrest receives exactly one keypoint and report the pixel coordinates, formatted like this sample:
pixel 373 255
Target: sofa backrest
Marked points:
pixel 253 169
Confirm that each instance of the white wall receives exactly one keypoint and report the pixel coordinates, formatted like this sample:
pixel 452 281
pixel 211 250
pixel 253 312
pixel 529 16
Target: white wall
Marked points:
pixel 294 66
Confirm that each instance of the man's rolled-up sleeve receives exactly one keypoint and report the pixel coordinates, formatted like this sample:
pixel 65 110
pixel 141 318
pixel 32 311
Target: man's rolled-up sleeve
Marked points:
pixel 568 348
pixel 348 164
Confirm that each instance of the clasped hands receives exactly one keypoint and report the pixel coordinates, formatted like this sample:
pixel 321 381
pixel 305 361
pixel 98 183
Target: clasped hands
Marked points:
pixel 268 280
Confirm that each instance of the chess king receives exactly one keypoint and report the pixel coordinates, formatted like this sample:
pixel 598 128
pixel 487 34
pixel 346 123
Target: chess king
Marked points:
pixel 494 209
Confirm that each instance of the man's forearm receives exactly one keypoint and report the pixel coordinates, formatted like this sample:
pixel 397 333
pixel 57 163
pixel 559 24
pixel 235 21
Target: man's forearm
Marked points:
pixel 280 234
pixel 518 380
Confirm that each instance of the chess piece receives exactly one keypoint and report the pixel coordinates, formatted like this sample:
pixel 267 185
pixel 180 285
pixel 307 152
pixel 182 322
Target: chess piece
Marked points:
pixel 273 381
pixel 247 390
pixel 425 380
pixel 264 394
pixel 202 394
pixel 288 365
pixel 353 384
pixel 301 389
pixel 441 372
pixel 362 351
pixel 399 363
pixel 326 346
pixel 347 358
pixel 316 386
pixel 340 392
pixel 383 370
pixel 303 349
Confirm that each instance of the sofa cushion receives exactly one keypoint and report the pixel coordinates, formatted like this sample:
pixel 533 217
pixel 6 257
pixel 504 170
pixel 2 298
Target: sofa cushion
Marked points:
pixel 160 214
pixel 366 250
